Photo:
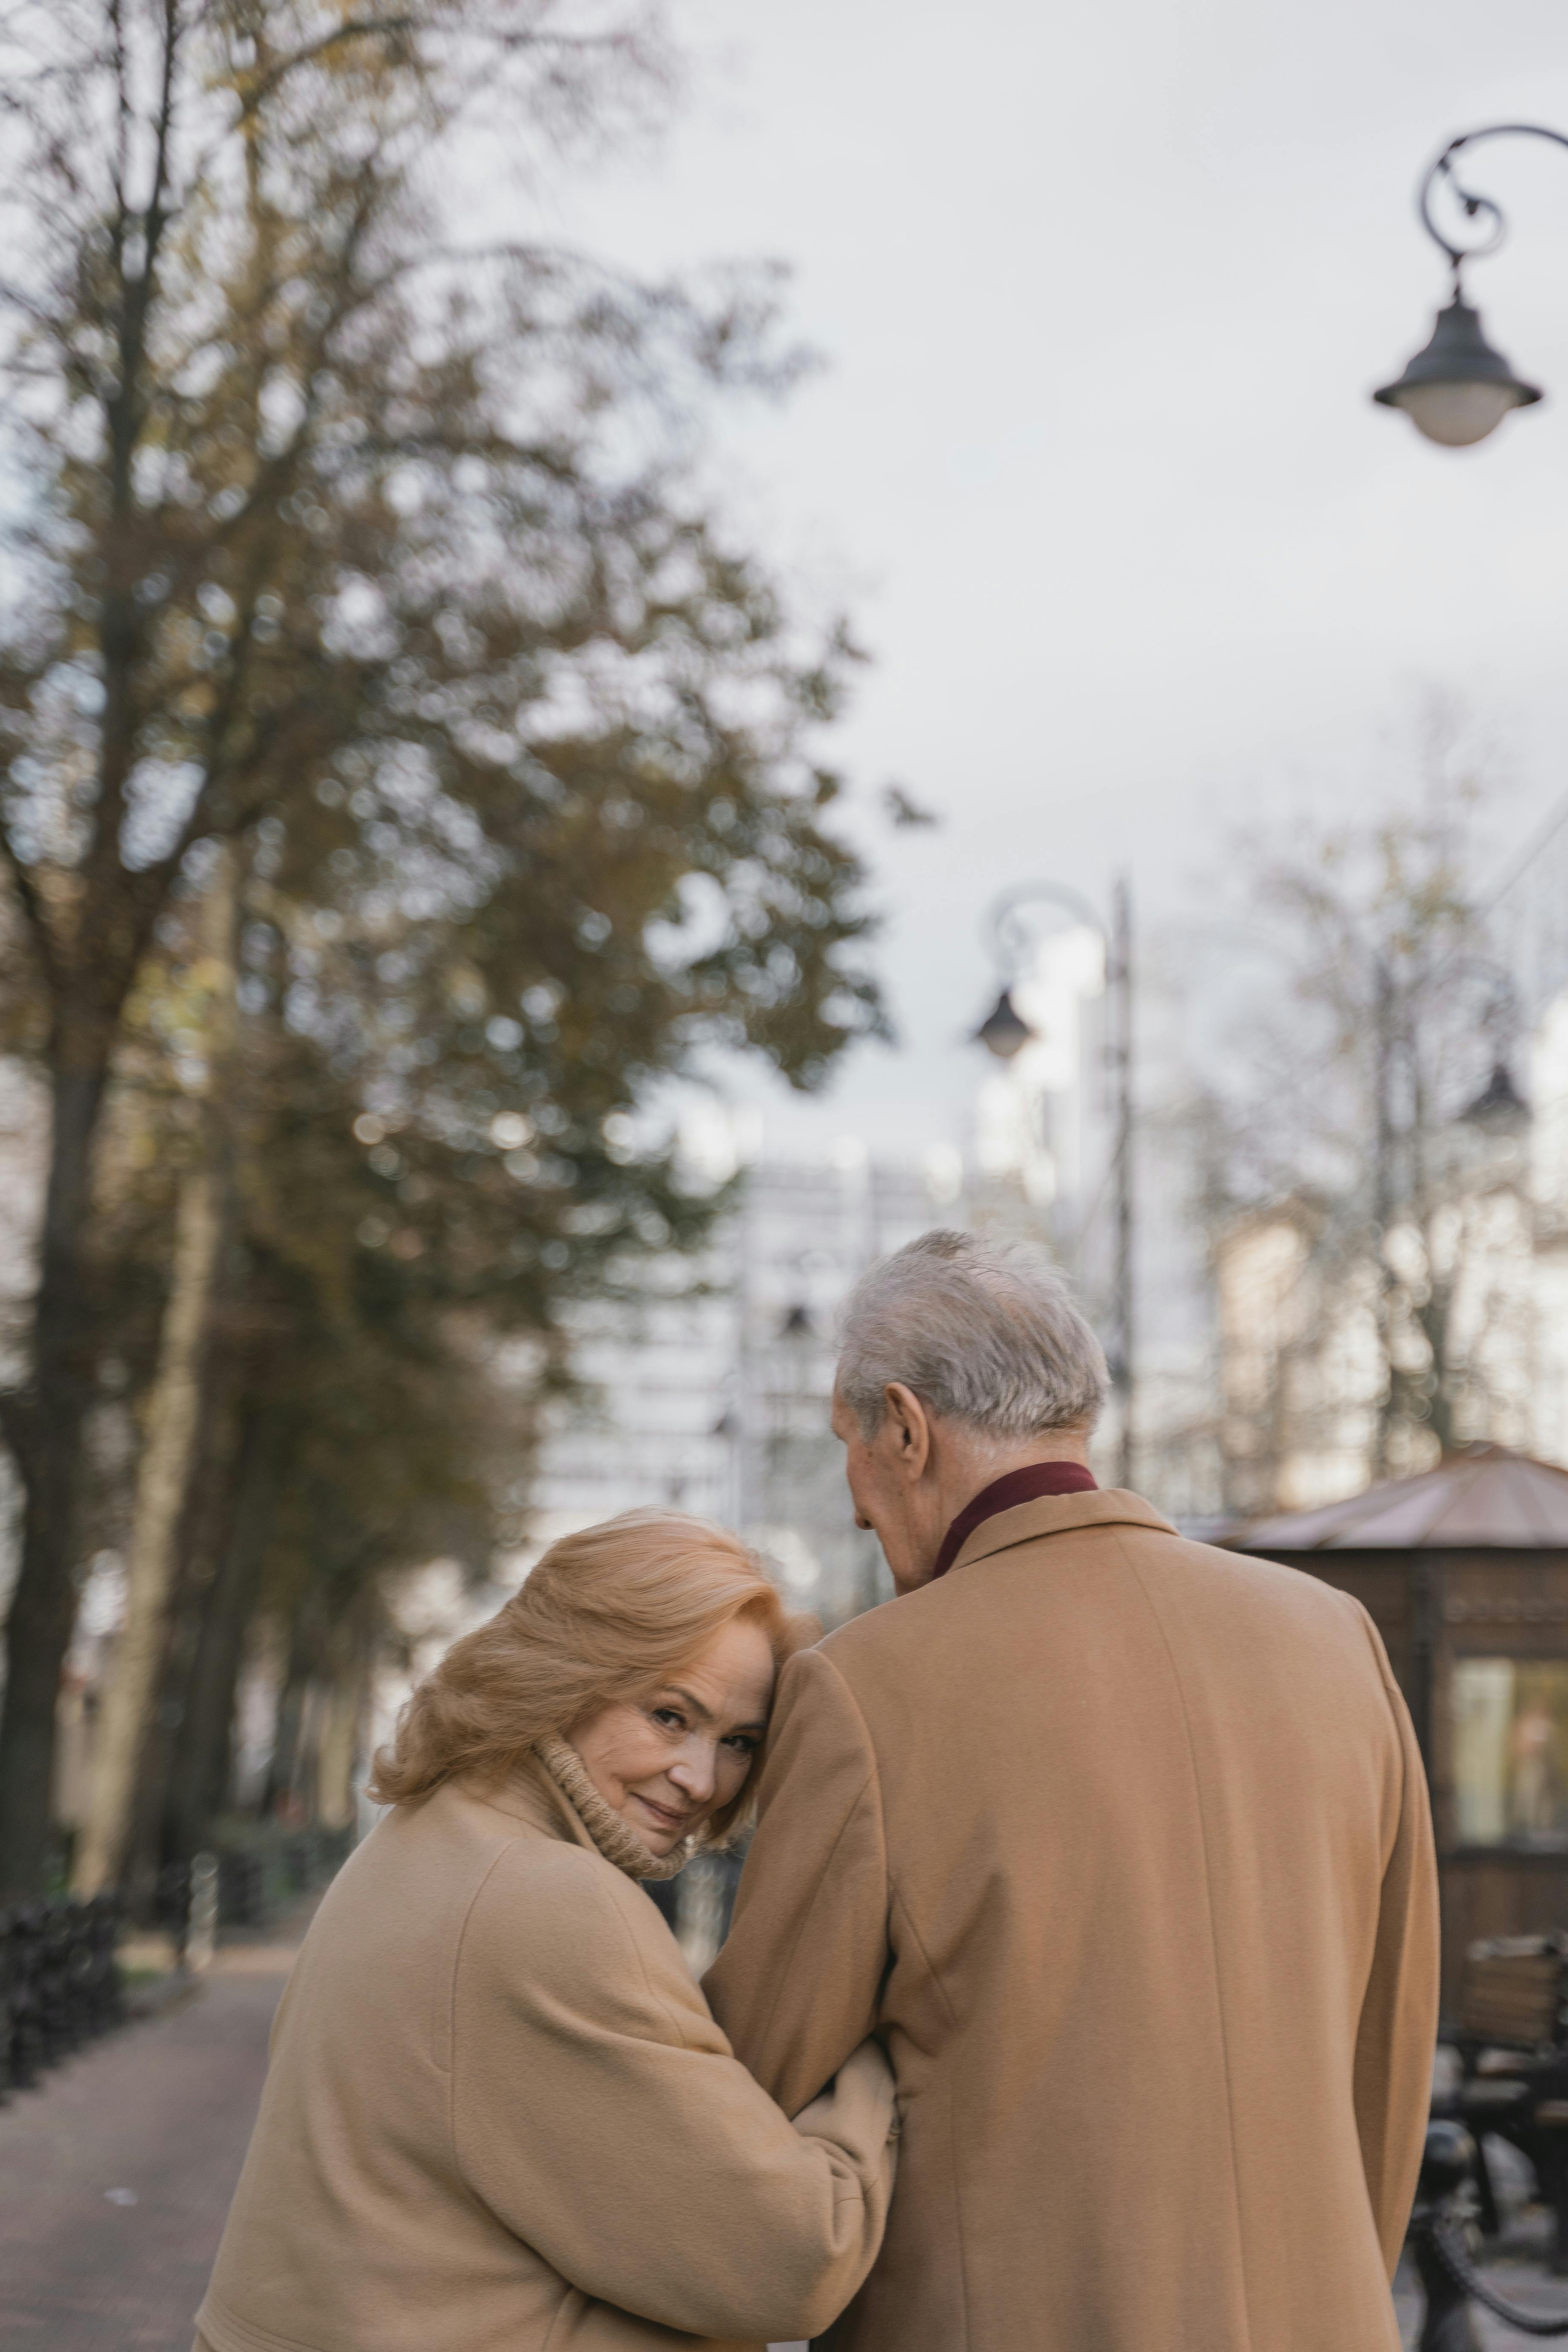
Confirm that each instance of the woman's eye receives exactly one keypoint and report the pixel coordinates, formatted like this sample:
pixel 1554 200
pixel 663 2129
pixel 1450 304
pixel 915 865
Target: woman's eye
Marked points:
pixel 743 1743
pixel 671 1717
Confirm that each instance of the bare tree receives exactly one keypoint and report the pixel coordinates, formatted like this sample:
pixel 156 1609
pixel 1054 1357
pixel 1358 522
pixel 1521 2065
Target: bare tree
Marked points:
pixel 1368 1134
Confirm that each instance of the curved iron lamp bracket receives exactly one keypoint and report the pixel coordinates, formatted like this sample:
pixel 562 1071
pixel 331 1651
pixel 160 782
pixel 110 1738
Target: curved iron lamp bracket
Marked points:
pixel 1474 207
pixel 1011 939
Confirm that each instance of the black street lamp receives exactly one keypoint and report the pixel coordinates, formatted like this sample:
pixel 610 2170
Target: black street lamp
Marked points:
pixel 1457 389
pixel 1005 1033
pixel 1499 1109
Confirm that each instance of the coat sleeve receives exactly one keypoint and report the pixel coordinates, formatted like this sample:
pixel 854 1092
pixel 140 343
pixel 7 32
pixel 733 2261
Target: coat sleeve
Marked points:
pixel 798 1984
pixel 598 2113
pixel 1398 2028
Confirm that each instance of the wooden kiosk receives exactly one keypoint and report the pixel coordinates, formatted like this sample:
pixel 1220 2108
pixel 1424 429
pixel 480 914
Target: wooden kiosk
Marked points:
pixel 1464 1570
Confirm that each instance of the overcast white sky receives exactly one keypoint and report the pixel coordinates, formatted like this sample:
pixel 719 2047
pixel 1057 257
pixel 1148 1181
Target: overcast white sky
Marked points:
pixel 1101 294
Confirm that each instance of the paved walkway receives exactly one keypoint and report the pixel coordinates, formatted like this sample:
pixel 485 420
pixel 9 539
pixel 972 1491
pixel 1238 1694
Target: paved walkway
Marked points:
pixel 116 2174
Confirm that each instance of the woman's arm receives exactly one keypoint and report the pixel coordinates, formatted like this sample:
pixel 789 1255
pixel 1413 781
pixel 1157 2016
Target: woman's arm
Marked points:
pixel 599 2114
pixel 798 1982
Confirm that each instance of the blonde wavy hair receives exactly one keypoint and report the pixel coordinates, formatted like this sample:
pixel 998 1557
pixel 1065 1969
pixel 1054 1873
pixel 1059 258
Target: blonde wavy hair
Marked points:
pixel 605 1615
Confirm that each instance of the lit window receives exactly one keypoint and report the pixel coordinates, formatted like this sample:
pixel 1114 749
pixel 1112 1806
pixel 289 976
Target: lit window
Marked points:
pixel 1511 1752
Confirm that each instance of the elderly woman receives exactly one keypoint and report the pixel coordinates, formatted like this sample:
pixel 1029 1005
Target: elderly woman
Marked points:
pixel 499 2116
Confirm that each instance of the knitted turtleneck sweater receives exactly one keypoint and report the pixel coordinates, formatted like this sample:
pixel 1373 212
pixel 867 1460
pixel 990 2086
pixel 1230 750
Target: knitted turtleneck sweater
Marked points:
pixel 615 1840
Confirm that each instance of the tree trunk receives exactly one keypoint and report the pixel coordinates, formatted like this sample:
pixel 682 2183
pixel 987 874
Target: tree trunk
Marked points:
pixel 285 1756
pixel 161 1481
pixel 43 1429
pixel 174 1419
pixel 199 1780
pixel 204 1539
pixel 339 1752
pixel 342 1724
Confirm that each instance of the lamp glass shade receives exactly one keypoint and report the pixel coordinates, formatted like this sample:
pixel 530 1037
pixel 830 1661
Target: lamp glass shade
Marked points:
pixel 1457 389
pixel 1455 414
pixel 1003 1031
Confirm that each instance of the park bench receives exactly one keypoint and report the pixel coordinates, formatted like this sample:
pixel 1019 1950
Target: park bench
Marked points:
pixel 1510 2032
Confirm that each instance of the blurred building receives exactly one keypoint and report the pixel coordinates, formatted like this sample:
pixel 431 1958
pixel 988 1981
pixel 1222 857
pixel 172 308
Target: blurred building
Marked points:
pixel 708 1391
pixel 711 1393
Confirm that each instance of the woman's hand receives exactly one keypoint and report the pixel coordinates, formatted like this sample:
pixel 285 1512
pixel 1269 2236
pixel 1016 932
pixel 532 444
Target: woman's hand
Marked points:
pixel 858 2109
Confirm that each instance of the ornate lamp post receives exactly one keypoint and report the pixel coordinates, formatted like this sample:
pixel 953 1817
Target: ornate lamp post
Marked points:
pixel 1457 389
pixel 1005 1033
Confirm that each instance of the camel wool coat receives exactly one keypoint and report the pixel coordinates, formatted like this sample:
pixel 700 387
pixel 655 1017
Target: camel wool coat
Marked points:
pixel 1123 1843
pixel 499 2117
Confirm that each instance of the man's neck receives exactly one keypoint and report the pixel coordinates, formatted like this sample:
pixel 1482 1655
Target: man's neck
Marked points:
pixel 973 1468
pixel 1029 1477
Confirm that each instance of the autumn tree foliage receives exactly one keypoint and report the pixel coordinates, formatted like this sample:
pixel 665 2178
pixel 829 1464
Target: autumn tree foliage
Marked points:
pixel 364 535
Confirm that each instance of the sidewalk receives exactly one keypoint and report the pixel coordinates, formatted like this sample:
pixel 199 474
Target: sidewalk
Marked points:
pixel 116 2174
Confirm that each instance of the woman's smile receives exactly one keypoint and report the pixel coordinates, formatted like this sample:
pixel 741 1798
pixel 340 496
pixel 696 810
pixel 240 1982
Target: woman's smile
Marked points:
pixel 669 1817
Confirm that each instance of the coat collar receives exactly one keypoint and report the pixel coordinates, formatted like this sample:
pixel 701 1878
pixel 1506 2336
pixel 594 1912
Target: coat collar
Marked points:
pixel 615 1839
pixel 549 1795
pixel 530 1796
pixel 1024 1485
pixel 1057 1514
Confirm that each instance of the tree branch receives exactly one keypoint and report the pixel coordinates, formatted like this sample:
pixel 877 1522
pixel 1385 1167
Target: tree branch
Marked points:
pixel 17 1427
pixel 30 900
pixel 360 29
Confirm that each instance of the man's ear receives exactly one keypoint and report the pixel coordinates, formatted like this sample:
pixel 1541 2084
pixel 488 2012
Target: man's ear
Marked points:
pixel 908 1427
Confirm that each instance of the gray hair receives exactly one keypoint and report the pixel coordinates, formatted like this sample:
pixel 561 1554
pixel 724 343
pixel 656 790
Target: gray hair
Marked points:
pixel 985 1332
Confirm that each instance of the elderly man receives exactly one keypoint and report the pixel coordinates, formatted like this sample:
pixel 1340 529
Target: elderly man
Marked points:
pixel 1122 1846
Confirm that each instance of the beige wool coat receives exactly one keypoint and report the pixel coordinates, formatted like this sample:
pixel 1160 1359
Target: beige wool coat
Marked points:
pixel 1123 1843
pixel 499 2117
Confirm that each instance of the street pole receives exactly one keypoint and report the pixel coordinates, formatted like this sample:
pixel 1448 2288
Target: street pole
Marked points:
pixel 1123 1271
pixel 741 1410
pixel 1383 1196
pixel 1004 1032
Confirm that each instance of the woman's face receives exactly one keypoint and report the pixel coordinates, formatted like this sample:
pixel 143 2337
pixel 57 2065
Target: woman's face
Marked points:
pixel 665 1762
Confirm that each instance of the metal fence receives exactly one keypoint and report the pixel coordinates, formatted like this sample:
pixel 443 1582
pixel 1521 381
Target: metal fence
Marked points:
pixel 246 1883
pixel 59 1983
